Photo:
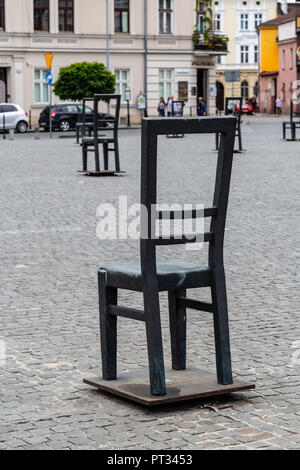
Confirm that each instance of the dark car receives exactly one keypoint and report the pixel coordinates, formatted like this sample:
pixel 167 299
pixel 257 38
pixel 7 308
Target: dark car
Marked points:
pixel 65 116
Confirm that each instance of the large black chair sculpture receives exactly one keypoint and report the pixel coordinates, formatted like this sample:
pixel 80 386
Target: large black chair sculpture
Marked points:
pixel 110 143
pixel 151 277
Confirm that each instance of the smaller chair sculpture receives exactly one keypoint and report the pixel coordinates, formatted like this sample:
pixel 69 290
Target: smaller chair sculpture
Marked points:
pixel 177 111
pixel 292 124
pixel 109 143
pixel 234 107
pixel 151 277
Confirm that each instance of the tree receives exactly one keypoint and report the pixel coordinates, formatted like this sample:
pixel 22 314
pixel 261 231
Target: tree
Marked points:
pixel 83 80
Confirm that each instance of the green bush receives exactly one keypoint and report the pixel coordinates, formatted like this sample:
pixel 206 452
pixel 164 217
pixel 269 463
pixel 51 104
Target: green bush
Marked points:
pixel 83 80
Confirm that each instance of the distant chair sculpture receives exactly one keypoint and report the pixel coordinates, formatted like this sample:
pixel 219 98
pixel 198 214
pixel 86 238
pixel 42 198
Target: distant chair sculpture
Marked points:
pixel 233 106
pixel 151 277
pixel 109 143
pixel 292 124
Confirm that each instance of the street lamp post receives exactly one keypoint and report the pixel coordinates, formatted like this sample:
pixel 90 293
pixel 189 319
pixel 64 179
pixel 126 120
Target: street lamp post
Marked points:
pixel 128 98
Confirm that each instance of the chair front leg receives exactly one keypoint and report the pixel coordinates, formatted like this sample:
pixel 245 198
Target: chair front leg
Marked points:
pixel 108 327
pixel 221 327
pixel 154 344
pixel 177 317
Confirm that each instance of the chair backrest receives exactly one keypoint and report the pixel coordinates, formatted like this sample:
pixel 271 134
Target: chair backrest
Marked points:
pixel 151 129
pixel 234 106
pixel 99 123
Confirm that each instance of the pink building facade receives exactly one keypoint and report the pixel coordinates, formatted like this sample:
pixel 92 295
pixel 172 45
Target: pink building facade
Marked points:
pixel 283 82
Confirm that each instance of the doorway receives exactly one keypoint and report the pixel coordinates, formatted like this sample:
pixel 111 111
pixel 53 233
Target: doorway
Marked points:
pixel 220 96
pixel 202 83
pixel 3 85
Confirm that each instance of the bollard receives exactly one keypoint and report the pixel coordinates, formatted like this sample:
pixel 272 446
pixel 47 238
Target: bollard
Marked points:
pixel 11 134
pixel 36 132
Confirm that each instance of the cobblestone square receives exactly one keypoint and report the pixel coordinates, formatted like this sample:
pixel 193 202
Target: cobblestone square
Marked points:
pixel 49 334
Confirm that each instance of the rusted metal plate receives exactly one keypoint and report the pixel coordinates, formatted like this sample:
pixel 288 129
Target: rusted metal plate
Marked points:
pixel 182 385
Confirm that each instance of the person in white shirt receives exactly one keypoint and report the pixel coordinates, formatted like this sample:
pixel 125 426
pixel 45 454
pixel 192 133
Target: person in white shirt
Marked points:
pixel 278 106
pixel 169 105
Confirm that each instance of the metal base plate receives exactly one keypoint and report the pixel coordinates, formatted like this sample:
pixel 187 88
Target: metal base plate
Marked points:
pixel 182 385
pixel 104 173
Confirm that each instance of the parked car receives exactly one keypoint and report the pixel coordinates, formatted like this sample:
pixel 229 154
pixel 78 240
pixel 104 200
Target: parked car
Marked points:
pixel 247 107
pixel 65 116
pixel 14 117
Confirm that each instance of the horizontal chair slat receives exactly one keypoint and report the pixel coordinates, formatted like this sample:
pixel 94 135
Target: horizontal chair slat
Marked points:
pixel 193 214
pixel 206 237
pixel 126 312
pixel 194 304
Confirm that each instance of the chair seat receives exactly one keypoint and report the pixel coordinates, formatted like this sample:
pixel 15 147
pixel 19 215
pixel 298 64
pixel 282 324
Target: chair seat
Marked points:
pixel 172 275
pixel 100 139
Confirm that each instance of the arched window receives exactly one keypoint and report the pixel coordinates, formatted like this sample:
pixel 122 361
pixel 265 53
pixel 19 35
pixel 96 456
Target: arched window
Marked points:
pixel 244 89
pixel 255 90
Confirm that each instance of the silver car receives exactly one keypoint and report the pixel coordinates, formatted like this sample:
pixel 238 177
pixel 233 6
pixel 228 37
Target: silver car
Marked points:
pixel 12 116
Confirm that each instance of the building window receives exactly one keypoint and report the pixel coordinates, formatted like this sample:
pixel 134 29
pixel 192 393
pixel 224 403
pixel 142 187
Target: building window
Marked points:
pixel 218 22
pixel 2 16
pixel 66 16
pixel 291 58
pixel 244 22
pixel 244 54
pixel 255 54
pixel 283 60
pixel 218 59
pixel 255 89
pixel 165 16
pixel 165 83
pixel 244 89
pixel 41 89
pixel 257 20
pixel 41 15
pixel 121 16
pixel 122 82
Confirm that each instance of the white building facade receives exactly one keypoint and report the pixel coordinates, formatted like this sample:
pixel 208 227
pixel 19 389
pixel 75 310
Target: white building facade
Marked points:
pixel 157 46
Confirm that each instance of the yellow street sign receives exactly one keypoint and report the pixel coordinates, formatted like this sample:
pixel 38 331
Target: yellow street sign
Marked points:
pixel 48 59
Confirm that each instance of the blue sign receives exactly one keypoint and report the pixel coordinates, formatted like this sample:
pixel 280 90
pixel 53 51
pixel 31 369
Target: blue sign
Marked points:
pixel 49 78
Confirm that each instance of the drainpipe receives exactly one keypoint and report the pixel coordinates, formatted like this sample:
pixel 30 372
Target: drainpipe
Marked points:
pixel 107 46
pixel 146 57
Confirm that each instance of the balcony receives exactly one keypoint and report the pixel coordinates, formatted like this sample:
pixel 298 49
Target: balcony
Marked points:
pixel 213 44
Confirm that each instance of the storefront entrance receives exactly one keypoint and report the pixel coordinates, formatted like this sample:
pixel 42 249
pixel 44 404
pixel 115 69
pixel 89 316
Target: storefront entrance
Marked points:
pixel 202 83
pixel 3 85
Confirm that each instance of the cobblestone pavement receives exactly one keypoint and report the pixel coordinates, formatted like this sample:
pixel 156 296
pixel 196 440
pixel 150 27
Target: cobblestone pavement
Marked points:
pixel 48 302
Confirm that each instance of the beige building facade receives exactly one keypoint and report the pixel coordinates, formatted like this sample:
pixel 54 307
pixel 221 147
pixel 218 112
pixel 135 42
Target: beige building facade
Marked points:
pixel 75 30
pixel 239 20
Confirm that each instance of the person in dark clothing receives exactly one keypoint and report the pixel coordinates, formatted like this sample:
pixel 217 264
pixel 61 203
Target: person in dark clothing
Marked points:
pixel 201 107
pixel 161 108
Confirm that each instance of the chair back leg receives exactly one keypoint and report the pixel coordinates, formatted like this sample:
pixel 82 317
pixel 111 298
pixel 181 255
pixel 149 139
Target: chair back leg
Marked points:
pixel 97 158
pixel 177 316
pixel 221 327
pixel 117 156
pixel 108 328
pixel 84 157
pixel 105 156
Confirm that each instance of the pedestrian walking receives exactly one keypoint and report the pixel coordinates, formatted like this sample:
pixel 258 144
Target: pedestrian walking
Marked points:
pixel 169 105
pixel 278 106
pixel 201 107
pixel 161 108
